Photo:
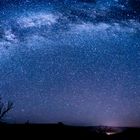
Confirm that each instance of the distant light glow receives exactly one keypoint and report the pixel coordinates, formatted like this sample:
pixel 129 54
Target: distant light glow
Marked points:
pixel 110 133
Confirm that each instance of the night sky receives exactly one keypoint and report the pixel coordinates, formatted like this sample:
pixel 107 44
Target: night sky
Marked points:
pixel 76 62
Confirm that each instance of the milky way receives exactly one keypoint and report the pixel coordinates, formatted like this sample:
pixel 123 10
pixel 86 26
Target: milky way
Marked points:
pixel 70 61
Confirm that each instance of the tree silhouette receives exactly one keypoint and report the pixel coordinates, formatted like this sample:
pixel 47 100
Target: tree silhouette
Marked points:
pixel 4 109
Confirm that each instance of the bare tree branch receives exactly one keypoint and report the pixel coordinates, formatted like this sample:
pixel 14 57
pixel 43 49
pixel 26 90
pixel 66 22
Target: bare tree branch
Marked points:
pixel 4 109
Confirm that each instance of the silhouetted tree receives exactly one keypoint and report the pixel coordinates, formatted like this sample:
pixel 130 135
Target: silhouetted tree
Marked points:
pixel 4 109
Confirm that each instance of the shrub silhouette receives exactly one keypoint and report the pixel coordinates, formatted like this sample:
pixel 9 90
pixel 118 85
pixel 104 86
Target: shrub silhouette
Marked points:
pixel 4 109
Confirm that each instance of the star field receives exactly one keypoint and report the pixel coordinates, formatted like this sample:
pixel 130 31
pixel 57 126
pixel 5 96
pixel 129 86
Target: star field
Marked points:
pixel 71 61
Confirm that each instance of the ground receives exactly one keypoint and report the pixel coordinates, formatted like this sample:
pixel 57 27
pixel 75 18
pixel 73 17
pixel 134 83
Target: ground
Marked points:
pixel 61 131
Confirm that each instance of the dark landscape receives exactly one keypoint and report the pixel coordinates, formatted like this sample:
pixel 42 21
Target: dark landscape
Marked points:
pixel 61 131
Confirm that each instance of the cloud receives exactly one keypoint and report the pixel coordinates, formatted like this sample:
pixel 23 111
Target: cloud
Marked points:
pixel 37 20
